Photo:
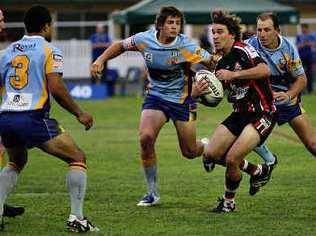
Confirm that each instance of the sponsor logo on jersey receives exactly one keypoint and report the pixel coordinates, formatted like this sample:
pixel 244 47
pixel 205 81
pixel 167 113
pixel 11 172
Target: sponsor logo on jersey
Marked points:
pixel 23 47
pixel 237 67
pixel 148 57
pixel 58 61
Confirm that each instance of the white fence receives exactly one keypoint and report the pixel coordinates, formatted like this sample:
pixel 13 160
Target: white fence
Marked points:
pixel 77 59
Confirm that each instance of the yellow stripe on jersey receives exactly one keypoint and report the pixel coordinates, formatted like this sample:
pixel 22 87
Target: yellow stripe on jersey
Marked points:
pixel 185 91
pixel 142 46
pixel 48 69
pixel 48 59
pixel 44 96
pixel 193 58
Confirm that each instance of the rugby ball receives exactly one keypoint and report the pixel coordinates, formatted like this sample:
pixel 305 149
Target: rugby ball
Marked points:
pixel 214 93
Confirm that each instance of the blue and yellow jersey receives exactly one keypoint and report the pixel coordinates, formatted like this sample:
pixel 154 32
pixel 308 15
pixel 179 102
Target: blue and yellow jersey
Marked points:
pixel 23 70
pixel 284 63
pixel 168 64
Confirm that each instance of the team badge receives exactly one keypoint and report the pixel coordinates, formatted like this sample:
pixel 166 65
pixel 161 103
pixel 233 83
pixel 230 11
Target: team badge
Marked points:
pixel 148 57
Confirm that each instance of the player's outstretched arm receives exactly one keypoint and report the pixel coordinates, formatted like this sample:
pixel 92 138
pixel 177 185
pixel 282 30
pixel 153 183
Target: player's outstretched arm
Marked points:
pixel 113 51
pixel 59 91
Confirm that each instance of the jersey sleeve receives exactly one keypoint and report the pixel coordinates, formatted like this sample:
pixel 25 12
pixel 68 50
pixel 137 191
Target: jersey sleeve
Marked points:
pixel 135 42
pixel 193 53
pixel 295 65
pixel 249 55
pixel 54 61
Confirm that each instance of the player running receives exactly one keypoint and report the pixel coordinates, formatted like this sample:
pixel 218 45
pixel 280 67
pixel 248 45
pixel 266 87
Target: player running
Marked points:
pixel 245 76
pixel 168 55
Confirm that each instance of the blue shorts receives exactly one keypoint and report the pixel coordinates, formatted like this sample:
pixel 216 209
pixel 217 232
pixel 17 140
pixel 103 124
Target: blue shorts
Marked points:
pixel 287 113
pixel 29 129
pixel 175 111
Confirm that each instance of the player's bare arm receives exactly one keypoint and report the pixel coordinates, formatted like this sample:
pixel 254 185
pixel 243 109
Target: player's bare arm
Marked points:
pixel 297 87
pixel 62 96
pixel 114 50
pixel 258 72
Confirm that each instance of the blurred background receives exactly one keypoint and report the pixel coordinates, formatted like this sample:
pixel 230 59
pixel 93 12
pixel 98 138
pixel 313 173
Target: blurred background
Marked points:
pixel 83 29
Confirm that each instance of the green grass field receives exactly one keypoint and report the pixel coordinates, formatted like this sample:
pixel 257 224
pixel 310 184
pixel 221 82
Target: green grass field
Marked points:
pixel 286 206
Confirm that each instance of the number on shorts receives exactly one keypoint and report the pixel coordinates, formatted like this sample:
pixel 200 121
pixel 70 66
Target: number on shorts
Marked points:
pixel 21 65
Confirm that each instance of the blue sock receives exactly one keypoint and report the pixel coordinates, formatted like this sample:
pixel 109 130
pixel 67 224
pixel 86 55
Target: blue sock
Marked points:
pixel 265 153
pixel 150 174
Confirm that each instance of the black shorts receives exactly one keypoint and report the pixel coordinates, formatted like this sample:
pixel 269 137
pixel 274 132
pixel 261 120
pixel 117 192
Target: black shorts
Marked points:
pixel 262 122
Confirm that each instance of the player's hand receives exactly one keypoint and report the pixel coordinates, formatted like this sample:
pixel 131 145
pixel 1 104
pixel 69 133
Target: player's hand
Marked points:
pixel 198 88
pixel 281 97
pixel 97 68
pixel 225 74
pixel 86 119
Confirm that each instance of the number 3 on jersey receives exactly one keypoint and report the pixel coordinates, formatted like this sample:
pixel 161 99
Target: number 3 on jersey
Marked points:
pixel 21 65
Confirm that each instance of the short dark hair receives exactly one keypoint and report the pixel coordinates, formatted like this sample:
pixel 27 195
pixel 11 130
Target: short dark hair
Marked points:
pixel 36 18
pixel 270 15
pixel 231 21
pixel 168 11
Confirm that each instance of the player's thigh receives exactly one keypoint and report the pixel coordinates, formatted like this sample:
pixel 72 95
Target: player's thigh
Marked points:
pixel 220 142
pixel 17 155
pixel 303 128
pixel 245 142
pixel 64 147
pixel 151 122
pixel 186 131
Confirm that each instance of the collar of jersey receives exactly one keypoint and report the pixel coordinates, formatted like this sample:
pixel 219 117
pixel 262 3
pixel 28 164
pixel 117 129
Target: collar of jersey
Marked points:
pixel 165 45
pixel 33 36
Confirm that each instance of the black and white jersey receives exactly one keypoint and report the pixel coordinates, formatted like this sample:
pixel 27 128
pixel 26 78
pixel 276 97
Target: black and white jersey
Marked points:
pixel 251 95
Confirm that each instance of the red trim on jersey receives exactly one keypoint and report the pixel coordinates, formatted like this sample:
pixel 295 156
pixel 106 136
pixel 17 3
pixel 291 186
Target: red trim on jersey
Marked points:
pixel 265 103
pixel 262 97
pixel 243 47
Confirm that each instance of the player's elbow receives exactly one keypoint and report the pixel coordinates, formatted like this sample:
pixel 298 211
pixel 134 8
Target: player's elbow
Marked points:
pixel 304 81
pixel 265 71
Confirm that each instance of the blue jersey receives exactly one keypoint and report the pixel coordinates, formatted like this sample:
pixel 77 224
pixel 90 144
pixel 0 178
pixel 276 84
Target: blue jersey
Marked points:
pixel 284 63
pixel 168 64
pixel 305 52
pixel 23 70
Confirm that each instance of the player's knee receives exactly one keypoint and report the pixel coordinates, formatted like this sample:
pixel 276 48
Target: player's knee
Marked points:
pixel 211 155
pixel 311 146
pixel 189 153
pixel 231 161
pixel 146 141
pixel 80 156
